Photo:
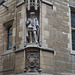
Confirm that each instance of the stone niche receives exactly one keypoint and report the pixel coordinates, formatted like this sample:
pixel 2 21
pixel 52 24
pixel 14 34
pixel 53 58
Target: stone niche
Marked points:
pixel 32 21
pixel 32 59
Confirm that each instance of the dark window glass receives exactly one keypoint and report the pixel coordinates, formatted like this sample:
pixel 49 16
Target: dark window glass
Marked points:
pixel 73 31
pixel 73 19
pixel 73 39
pixel 9 38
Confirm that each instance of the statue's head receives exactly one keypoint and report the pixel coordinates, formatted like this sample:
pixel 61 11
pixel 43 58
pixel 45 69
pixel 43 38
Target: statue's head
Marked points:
pixel 32 14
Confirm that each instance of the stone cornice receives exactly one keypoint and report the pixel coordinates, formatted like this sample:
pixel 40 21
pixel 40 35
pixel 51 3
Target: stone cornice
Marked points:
pixel 41 48
pixel 47 2
pixel 11 19
pixel 20 3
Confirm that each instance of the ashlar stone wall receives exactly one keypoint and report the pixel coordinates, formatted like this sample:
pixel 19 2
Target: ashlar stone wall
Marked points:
pixel 55 51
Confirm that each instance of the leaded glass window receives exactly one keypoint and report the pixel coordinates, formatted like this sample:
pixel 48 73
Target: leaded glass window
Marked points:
pixel 9 38
pixel 73 29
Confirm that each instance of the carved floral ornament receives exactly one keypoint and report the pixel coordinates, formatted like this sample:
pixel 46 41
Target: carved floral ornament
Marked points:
pixel 32 3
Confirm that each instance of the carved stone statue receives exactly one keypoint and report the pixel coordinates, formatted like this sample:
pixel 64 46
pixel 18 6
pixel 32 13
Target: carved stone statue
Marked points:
pixel 32 28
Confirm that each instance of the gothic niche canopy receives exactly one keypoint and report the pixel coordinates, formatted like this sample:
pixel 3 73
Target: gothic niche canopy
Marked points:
pixel 32 21
pixel 32 3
